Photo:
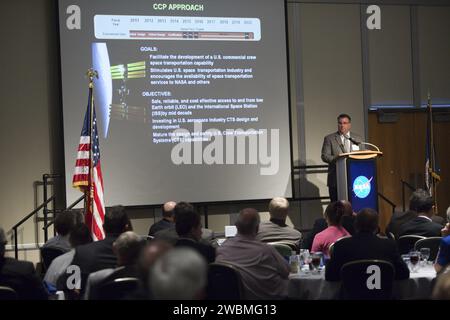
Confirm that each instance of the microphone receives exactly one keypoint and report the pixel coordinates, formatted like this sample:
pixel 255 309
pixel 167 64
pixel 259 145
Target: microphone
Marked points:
pixel 352 140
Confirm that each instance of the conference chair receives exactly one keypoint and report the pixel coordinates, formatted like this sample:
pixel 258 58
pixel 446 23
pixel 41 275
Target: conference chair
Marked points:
pixel 432 242
pixel 48 254
pixel 117 289
pixel 331 247
pixel 282 249
pixel 406 243
pixel 356 284
pixel 224 282
pixel 7 293
pixel 291 245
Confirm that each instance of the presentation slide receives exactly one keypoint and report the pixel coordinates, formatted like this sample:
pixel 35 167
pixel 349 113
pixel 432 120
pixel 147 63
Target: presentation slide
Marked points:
pixel 191 98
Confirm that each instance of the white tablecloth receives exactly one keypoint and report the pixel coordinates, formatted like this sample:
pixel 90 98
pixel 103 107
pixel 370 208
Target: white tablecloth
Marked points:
pixel 315 287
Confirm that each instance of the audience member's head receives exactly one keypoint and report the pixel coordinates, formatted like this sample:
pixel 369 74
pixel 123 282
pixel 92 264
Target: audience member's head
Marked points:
pixel 80 235
pixel 167 210
pixel 366 221
pixel 180 274
pixel 64 222
pixel 116 221
pixel 441 289
pixel 334 212
pixel 421 202
pixel 448 214
pixel 187 221
pixel 3 243
pixel 151 252
pixel 247 223
pixel 279 208
pixel 127 248
pixel 348 209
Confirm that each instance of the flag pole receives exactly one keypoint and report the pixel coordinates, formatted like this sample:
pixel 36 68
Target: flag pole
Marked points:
pixel 91 73
pixel 431 153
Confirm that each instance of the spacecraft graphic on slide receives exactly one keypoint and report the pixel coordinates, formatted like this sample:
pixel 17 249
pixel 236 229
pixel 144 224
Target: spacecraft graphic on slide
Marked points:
pixel 108 74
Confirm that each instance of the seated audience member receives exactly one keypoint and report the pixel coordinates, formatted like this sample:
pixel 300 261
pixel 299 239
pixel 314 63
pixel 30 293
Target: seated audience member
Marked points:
pixel 276 229
pixel 180 274
pixel 400 218
pixel 99 255
pixel 79 235
pixel 333 215
pixel 167 222
pixel 127 249
pixel 189 230
pixel 321 224
pixel 263 270
pixel 19 275
pixel 443 257
pixel 364 244
pixel 151 252
pixel 441 290
pixel 422 224
pixel 64 223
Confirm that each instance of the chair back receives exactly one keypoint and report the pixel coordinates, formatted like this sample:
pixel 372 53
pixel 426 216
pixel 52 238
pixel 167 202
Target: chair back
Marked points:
pixel 390 235
pixel 7 293
pixel 224 282
pixel 48 254
pixel 331 247
pixel 432 242
pixel 406 243
pixel 117 289
pixel 367 280
pixel 282 248
pixel 290 244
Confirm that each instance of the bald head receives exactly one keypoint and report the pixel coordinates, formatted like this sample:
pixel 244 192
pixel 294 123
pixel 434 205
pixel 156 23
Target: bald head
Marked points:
pixel 167 209
pixel 248 222
pixel 278 208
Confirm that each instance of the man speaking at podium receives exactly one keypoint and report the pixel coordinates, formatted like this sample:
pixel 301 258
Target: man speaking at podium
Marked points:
pixel 335 144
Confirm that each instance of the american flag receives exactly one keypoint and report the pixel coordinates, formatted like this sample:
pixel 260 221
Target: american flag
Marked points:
pixel 88 174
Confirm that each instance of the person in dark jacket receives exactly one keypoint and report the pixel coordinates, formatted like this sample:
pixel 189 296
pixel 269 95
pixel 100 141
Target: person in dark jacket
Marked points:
pixel 20 275
pixel 189 230
pixel 365 245
pixel 99 255
pixel 167 221
pixel 422 224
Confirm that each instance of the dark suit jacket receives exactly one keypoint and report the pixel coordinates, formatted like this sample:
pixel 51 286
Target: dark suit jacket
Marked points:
pixel 321 224
pixel 421 227
pixel 364 246
pixel 160 225
pixel 92 257
pixel 21 276
pixel 207 251
pixel 331 148
pixel 398 219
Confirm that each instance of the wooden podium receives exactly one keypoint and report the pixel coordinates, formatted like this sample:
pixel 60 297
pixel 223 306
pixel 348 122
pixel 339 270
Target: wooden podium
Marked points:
pixel 356 178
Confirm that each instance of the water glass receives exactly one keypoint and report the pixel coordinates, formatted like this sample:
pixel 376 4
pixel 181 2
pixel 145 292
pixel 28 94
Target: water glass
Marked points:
pixel 316 259
pixel 294 263
pixel 414 259
pixel 425 254
pixel 304 256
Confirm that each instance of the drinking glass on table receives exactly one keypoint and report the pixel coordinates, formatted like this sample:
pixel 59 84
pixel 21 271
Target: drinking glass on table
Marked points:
pixel 425 254
pixel 414 259
pixel 315 261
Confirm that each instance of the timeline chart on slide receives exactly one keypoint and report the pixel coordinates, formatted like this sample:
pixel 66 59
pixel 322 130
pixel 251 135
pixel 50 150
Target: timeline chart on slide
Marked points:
pixel 176 28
